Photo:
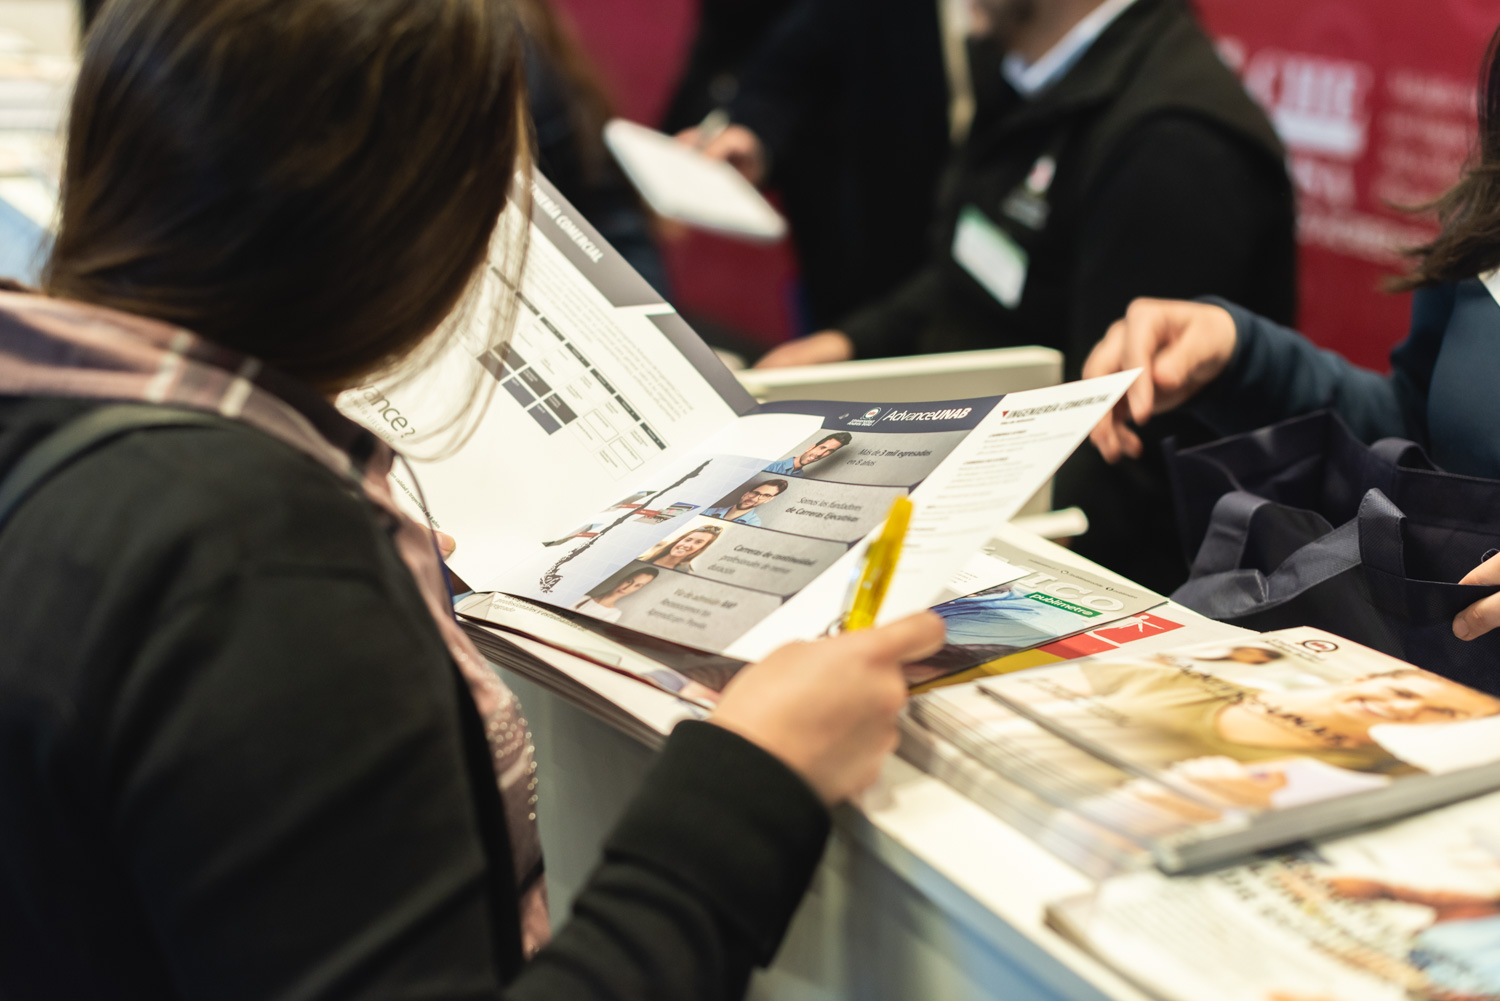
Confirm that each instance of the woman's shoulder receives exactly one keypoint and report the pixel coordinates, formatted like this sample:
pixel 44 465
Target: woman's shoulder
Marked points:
pixel 204 498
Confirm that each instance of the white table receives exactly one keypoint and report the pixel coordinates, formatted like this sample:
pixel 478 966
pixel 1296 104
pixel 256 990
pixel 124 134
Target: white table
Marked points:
pixel 922 894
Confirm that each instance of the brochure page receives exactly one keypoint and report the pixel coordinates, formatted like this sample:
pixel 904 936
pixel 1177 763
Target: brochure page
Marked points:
pixel 985 479
pixel 751 541
pixel 1408 911
pixel 763 510
pixel 600 383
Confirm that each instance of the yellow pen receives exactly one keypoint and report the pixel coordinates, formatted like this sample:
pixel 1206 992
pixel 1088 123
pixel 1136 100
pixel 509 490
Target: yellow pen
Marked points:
pixel 880 567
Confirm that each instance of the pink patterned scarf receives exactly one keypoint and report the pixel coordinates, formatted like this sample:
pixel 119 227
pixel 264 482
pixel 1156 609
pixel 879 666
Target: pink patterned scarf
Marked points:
pixel 53 347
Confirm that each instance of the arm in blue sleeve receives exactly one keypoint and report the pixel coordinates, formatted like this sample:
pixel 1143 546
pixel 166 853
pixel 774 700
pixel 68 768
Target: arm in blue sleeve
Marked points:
pixel 1276 374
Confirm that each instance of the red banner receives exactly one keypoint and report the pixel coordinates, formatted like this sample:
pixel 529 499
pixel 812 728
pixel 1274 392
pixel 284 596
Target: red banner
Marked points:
pixel 1375 101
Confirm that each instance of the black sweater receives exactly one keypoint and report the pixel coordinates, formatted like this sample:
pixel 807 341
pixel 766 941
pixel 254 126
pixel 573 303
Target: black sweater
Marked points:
pixel 1168 182
pixel 237 762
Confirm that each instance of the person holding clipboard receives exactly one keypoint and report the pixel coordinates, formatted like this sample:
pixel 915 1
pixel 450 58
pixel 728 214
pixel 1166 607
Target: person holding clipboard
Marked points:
pixel 245 751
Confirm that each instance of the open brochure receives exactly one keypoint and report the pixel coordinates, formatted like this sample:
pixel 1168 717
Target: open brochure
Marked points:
pixel 621 474
pixel 1408 911
pixel 1205 754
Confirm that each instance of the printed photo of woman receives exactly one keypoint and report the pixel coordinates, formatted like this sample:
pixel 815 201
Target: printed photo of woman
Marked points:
pixel 600 603
pixel 679 553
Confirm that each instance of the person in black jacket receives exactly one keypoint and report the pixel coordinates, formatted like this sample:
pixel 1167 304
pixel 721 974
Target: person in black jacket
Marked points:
pixel 1113 155
pixel 728 34
pixel 245 751
pixel 844 109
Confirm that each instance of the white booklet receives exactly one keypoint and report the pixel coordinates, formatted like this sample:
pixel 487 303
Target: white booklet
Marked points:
pixel 680 183
pixel 622 475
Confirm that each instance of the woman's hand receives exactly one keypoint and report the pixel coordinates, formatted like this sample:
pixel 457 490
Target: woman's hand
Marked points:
pixel 1484 615
pixel 828 709
pixel 1181 347
pixel 815 349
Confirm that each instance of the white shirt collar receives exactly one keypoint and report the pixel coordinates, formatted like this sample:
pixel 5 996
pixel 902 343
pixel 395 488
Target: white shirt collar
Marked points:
pixel 1052 67
pixel 1491 281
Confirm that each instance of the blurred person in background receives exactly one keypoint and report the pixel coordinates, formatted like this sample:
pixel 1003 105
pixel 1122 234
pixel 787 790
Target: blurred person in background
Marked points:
pixel 846 109
pixel 727 36
pixel 1112 153
pixel 1236 369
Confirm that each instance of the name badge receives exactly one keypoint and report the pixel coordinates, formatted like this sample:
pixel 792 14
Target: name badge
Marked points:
pixel 990 256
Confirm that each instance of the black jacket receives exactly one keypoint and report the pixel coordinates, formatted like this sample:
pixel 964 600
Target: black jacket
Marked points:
pixel 1168 181
pixel 237 762
pixel 850 98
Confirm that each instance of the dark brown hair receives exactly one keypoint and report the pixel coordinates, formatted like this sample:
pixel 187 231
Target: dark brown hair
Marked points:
pixel 313 182
pixel 588 103
pixel 1469 243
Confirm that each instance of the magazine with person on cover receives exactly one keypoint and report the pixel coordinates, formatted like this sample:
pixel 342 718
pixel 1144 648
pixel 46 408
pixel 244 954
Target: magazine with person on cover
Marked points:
pixel 1410 910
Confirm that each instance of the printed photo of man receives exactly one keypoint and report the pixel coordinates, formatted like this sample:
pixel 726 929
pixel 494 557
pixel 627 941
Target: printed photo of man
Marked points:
pixel 742 511
pixel 816 452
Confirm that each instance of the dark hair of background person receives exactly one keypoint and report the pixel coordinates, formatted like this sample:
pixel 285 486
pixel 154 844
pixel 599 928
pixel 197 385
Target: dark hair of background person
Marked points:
pixel 588 104
pixel 842 437
pixel 611 583
pixel 780 485
pixel 1469 243
pixel 315 217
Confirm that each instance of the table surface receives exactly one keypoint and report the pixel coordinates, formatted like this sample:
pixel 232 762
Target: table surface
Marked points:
pixel 924 893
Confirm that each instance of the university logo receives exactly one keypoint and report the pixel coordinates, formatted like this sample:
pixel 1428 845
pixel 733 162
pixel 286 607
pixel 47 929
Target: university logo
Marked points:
pixel 1319 105
pixel 868 419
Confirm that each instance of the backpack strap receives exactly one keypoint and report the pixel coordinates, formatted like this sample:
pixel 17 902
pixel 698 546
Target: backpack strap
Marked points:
pixel 82 435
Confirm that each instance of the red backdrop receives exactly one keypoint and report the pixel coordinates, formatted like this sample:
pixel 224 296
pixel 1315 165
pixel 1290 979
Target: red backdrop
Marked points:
pixel 1375 99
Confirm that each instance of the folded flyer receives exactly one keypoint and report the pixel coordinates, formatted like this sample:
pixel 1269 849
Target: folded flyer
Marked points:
pixel 620 473
pixel 1411 910
pixel 1204 754
pixel 1021 600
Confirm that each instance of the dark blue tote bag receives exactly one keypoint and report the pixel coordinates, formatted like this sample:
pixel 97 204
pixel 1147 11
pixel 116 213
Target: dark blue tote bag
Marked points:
pixel 1301 524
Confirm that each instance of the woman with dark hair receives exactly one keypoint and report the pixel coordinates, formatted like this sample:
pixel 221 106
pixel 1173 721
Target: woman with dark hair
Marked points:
pixel 245 750
pixel 569 107
pixel 601 601
pixel 679 553
pixel 1238 371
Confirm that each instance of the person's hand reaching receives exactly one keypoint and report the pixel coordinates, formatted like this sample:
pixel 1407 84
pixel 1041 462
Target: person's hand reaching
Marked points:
pixel 828 708
pixel 1484 615
pixel 1181 347
pixel 814 349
